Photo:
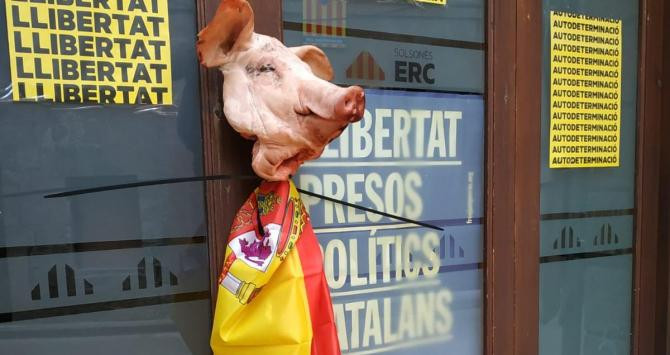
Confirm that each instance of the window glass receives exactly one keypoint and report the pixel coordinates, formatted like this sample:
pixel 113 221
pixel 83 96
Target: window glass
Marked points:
pixel 397 286
pixel 393 44
pixel 586 226
pixel 115 272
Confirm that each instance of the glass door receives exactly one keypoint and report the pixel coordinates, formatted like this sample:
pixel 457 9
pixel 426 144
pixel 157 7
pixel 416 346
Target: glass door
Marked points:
pixel 114 272
pixel 589 86
pixel 397 286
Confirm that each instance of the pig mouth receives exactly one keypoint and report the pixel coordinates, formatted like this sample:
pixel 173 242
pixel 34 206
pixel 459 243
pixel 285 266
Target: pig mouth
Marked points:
pixel 348 109
pixel 304 111
pixel 321 131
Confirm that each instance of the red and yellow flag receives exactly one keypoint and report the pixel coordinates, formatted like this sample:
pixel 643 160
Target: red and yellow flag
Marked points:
pixel 273 297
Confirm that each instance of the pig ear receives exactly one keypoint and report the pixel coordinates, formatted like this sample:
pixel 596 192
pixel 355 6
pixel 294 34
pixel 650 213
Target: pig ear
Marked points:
pixel 230 30
pixel 316 59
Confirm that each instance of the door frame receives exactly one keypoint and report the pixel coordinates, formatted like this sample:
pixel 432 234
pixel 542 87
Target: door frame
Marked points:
pixel 649 302
pixel 222 145
pixel 514 54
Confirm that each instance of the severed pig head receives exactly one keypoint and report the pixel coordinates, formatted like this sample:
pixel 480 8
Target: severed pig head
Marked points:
pixel 275 95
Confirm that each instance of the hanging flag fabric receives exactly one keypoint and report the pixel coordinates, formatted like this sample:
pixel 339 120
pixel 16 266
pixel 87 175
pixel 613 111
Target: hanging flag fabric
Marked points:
pixel 272 295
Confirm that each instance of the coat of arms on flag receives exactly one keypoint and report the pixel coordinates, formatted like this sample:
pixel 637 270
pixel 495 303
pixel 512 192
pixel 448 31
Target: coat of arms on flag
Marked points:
pixel 273 296
pixel 324 22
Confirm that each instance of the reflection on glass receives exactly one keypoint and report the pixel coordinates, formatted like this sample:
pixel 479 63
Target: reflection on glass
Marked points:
pixel 394 44
pixel 586 226
pixel 118 272
pixel 398 287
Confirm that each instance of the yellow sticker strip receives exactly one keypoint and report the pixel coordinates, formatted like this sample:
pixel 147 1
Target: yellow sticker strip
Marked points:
pixel 438 2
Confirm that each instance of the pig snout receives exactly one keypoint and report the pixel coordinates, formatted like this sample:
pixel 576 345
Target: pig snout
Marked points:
pixel 331 102
pixel 350 105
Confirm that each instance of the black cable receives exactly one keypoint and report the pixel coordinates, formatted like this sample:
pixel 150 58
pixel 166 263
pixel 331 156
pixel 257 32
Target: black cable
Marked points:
pixel 229 177
pixel 370 210
pixel 259 224
pixel 149 183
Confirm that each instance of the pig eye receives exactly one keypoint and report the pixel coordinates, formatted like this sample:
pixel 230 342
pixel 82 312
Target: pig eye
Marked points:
pixel 266 68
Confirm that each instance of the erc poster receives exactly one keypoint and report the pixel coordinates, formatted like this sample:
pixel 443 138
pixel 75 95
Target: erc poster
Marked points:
pixel 395 286
pixel 585 91
pixel 90 51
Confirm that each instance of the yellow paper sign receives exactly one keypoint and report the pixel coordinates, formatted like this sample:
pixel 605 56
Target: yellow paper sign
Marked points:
pixel 90 51
pixel 438 2
pixel 585 91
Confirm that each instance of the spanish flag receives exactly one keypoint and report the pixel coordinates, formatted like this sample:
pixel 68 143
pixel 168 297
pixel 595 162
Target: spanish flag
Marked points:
pixel 273 297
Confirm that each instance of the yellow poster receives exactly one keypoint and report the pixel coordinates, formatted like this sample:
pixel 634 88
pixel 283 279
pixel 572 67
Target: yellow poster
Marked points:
pixel 90 51
pixel 585 91
pixel 438 2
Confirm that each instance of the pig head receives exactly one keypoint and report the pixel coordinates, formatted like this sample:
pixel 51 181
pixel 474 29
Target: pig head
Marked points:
pixel 278 96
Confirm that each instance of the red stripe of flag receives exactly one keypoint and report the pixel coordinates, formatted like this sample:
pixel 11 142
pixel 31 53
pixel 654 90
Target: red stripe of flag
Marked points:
pixel 324 334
